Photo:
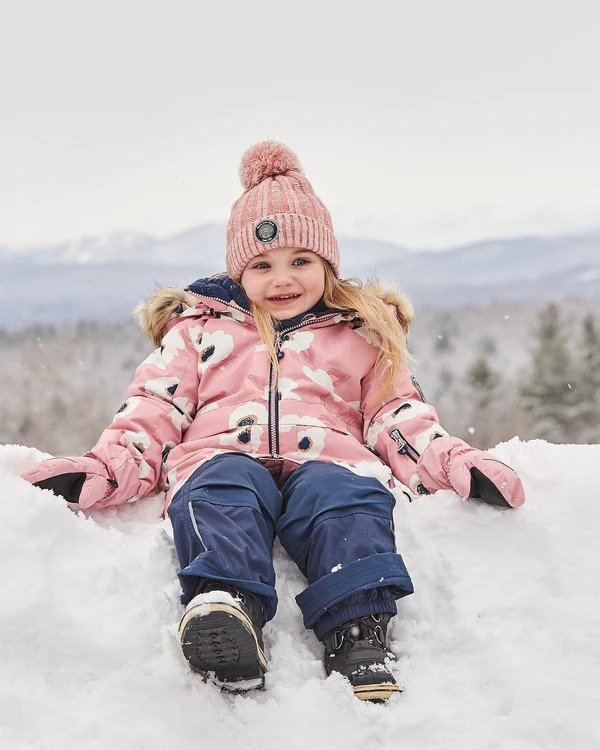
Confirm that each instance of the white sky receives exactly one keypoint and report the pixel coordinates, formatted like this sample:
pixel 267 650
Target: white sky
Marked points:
pixel 426 123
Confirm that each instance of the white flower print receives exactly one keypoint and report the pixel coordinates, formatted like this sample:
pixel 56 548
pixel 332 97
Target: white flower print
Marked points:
pixel 246 438
pixel 171 345
pixel 298 341
pixel 179 417
pixel 183 404
pixel 247 424
pixel 195 334
pixel 249 413
pixel 163 387
pixel 166 449
pixel 322 378
pixel 367 335
pixel 311 441
pixel 310 435
pixel 144 469
pixel 215 347
pixel 287 386
pixel 139 440
pixel 126 409
pixel 236 315
pixel 413 483
pixel 423 439
pixel 371 433
pixel 406 410
pixel 174 483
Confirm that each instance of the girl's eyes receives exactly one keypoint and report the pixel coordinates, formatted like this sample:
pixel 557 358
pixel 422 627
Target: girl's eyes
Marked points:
pixel 298 262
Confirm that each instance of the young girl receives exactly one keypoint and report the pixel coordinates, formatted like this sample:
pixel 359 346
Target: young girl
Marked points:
pixel 279 401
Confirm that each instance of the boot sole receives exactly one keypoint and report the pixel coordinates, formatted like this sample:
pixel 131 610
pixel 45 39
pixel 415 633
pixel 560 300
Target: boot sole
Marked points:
pixel 222 646
pixel 376 692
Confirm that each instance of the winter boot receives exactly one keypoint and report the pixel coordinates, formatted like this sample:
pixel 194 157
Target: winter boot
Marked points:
pixel 357 649
pixel 221 636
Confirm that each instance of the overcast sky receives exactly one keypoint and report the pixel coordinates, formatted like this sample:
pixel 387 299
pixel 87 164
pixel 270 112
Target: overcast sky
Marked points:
pixel 427 123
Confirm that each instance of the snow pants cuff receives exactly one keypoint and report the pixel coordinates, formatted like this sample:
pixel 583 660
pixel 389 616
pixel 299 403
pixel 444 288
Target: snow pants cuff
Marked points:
pixel 383 570
pixel 347 612
pixel 203 569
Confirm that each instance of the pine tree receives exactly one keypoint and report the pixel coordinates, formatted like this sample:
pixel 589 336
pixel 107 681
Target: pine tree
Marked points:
pixel 548 395
pixel 484 382
pixel 588 381
pixel 482 395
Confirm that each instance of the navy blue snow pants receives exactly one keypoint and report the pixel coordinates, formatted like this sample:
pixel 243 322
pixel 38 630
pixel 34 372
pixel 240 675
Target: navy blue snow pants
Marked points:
pixel 337 526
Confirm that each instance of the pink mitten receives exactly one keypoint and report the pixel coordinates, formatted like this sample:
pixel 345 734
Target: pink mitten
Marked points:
pixel 449 463
pixel 82 479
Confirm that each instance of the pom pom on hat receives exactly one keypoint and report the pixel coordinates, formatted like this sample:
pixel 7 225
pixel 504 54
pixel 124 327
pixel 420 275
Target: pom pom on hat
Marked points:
pixel 266 159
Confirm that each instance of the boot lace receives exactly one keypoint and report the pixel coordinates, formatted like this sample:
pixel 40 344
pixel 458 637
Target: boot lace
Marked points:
pixel 370 629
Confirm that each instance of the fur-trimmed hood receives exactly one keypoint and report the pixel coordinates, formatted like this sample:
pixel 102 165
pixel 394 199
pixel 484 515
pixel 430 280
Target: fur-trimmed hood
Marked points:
pixel 167 302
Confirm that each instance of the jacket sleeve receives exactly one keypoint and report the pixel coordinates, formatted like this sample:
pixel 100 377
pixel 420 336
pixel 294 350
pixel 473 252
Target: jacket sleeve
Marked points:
pixel 159 406
pixel 400 428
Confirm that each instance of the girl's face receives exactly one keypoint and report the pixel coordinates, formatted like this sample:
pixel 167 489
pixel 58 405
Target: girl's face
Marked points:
pixel 284 281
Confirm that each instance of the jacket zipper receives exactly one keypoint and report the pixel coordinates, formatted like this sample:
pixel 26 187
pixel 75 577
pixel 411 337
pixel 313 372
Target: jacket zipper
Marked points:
pixel 273 414
pixel 404 447
pixel 273 417
pixel 207 296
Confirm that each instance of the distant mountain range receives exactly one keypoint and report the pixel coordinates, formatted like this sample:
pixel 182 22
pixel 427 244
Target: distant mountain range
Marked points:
pixel 102 278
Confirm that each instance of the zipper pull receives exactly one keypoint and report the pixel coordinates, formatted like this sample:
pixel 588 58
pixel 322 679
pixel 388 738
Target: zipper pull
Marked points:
pixel 404 446
pixel 397 438
pixel 278 351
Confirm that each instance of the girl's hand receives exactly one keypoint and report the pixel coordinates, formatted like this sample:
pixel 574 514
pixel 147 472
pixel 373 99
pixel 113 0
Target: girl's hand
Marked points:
pixel 82 479
pixel 449 463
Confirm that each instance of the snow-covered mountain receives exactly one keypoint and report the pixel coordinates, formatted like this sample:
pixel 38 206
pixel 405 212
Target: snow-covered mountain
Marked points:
pixel 103 278
pixel 202 246
pixel 497 648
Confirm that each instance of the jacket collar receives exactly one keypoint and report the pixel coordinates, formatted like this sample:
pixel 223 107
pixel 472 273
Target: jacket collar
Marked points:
pixel 163 308
pixel 223 289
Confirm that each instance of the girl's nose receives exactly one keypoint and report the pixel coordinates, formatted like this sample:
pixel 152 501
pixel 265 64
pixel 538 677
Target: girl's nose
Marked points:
pixel 282 279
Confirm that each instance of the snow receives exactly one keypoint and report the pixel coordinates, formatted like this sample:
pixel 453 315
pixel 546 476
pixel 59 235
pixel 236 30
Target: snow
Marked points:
pixel 498 647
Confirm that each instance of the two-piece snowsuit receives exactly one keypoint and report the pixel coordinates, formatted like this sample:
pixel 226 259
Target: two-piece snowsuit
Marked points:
pixel 319 415
pixel 245 453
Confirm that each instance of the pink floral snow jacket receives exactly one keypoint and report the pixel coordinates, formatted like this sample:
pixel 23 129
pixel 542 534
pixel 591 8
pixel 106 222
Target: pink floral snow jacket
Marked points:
pixel 210 388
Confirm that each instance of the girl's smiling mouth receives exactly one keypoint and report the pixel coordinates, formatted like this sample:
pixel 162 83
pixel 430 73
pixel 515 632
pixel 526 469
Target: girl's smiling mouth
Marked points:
pixel 283 299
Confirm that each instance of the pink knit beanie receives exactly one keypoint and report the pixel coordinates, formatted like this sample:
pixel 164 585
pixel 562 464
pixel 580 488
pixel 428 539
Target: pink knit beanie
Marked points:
pixel 277 209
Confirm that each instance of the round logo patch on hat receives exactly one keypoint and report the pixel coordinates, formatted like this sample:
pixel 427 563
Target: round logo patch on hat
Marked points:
pixel 266 231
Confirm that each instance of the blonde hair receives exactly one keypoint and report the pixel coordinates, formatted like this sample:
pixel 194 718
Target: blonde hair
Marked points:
pixel 387 327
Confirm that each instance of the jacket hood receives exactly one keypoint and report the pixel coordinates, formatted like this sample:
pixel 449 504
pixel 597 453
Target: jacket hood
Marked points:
pixel 168 302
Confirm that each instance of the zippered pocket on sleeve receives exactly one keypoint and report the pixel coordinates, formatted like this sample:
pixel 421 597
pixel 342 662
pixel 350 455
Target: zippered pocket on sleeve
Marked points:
pixel 402 444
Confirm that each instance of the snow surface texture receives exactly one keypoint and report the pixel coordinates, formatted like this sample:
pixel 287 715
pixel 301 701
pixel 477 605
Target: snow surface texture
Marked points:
pixel 497 648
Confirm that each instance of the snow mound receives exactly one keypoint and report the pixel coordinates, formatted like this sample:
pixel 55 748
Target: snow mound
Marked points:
pixel 497 648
